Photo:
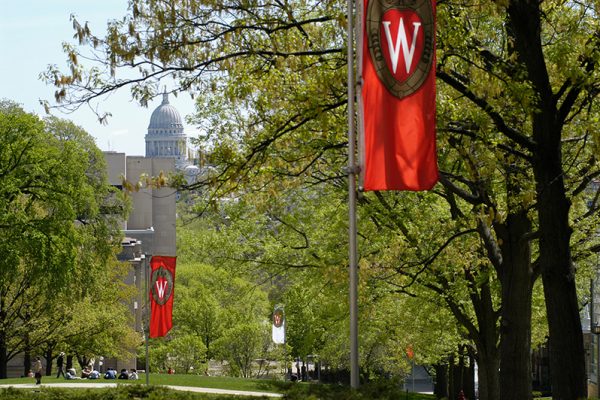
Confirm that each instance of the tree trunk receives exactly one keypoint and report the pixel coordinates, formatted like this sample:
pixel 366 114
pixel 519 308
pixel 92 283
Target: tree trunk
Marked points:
pixel 69 361
pixel 453 379
pixel 440 388
pixel 461 378
pixel 488 356
pixel 515 324
pixel 487 374
pixel 3 357
pixel 567 356
pixel 26 362
pixel 49 357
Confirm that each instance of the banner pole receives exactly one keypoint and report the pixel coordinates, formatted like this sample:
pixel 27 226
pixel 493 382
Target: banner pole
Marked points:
pixel 285 375
pixel 147 321
pixel 353 268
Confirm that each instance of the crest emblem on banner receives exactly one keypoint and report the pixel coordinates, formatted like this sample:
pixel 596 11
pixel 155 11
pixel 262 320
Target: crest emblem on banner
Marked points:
pixel 162 285
pixel 278 331
pixel 278 317
pixel 401 37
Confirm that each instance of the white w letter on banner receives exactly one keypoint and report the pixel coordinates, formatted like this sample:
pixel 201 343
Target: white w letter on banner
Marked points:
pixel 401 41
pixel 160 288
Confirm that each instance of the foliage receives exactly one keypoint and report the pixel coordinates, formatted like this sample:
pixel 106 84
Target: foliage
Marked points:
pixel 123 392
pixel 191 354
pixel 378 390
pixel 217 315
pixel 290 250
pixel 517 107
pixel 241 345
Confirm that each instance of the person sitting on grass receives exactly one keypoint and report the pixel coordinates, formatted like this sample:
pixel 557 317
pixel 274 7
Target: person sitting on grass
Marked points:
pixel 85 373
pixel 71 374
pixel 123 374
pixel 94 375
pixel 133 374
pixel 111 373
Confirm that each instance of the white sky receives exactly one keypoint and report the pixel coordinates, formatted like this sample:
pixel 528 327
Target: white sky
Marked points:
pixel 31 37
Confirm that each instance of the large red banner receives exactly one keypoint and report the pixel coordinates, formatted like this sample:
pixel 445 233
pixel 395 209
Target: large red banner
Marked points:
pixel 162 281
pixel 398 95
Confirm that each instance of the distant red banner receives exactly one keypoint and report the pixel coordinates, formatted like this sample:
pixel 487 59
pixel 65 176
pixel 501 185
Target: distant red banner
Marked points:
pixel 162 290
pixel 398 95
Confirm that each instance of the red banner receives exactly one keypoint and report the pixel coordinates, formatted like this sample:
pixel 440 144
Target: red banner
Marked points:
pixel 398 95
pixel 162 290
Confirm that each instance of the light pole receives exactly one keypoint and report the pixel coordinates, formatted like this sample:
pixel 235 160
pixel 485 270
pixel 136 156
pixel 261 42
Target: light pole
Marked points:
pixel 146 318
pixel 595 329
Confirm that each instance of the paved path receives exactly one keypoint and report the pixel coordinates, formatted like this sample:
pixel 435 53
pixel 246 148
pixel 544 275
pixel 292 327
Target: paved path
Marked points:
pixel 110 385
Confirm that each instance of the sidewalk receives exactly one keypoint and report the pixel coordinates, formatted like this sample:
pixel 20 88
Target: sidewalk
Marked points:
pixel 111 385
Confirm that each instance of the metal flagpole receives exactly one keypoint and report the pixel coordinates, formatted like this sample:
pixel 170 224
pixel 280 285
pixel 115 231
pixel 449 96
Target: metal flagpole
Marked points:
pixel 353 268
pixel 147 322
pixel 285 350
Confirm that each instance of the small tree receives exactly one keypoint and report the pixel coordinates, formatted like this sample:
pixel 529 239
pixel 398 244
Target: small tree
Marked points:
pixel 188 354
pixel 241 345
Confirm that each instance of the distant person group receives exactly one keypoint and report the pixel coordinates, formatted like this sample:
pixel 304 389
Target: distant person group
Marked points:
pixel 111 373
pixel 88 372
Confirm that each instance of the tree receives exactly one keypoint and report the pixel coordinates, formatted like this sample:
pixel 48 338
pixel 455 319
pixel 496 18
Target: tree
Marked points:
pixel 219 313
pixel 241 345
pixel 538 109
pixel 189 354
pixel 285 244
pixel 53 233
pixel 199 312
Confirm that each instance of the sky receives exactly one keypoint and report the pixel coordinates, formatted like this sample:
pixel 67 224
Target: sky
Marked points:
pixel 31 37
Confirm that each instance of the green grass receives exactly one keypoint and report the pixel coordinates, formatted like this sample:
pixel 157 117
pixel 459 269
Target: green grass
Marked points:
pixel 222 382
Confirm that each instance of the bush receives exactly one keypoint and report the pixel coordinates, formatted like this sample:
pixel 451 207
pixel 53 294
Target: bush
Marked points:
pixel 125 392
pixel 370 391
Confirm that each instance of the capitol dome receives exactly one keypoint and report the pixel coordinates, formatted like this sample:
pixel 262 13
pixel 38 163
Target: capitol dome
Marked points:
pixel 165 136
pixel 165 120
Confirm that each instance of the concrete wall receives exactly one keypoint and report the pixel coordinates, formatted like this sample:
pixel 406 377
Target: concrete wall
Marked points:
pixel 152 209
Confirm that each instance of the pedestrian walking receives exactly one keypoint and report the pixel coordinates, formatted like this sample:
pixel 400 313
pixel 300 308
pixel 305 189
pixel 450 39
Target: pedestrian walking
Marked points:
pixel 60 365
pixel 37 370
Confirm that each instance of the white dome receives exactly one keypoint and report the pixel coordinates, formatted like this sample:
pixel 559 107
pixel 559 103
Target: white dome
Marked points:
pixel 191 170
pixel 191 173
pixel 165 120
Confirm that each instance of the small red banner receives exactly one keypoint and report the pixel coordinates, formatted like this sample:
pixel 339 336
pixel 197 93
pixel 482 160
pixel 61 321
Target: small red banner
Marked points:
pixel 162 290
